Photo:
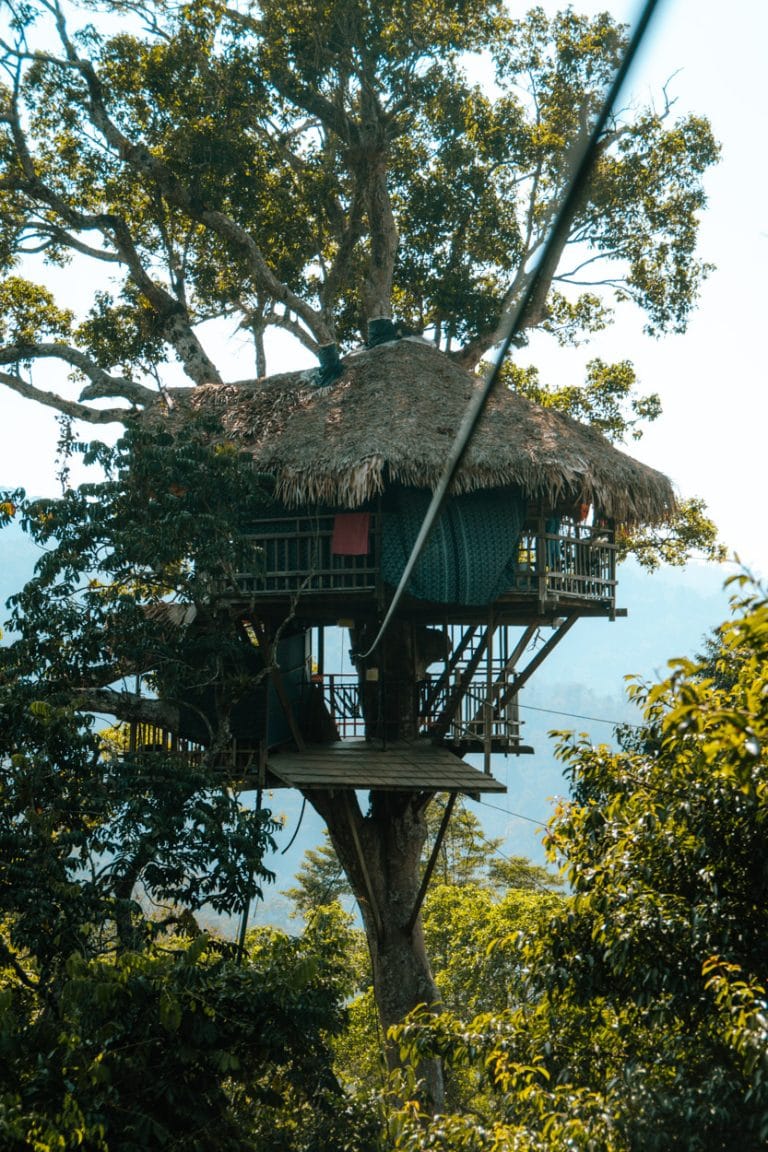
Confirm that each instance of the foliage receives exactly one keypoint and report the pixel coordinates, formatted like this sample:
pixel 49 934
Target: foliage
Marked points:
pixel 207 162
pixel 518 872
pixel 216 161
pixel 179 1045
pixel 607 400
pixel 96 821
pixel 463 919
pixel 464 851
pixel 316 1109
pixel 641 1023
pixel 689 532
pixel 462 925
pixel 114 1035
pixel 320 879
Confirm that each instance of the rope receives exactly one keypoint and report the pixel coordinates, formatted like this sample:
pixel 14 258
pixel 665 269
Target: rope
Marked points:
pixel 298 826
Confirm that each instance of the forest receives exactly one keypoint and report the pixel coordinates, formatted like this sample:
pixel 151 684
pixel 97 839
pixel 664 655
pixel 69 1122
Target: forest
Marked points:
pixel 615 1000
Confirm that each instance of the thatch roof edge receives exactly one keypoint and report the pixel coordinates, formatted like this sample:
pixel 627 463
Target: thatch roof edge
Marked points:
pixel 391 418
pixel 647 503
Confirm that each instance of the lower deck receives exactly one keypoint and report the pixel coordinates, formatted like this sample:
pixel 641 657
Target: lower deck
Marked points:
pixel 359 765
pixel 352 764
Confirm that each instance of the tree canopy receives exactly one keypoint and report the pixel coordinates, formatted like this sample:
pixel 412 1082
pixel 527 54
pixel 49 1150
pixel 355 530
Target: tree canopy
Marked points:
pixel 323 169
pixel 315 166
pixel 216 172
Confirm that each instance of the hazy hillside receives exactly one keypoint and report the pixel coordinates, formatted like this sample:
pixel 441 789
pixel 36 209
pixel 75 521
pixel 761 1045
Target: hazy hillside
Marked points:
pixel 17 559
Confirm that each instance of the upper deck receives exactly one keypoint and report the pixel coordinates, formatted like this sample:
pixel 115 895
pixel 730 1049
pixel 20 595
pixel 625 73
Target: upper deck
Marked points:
pixel 558 566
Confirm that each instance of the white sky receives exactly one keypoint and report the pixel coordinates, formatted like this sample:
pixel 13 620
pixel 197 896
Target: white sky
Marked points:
pixel 712 437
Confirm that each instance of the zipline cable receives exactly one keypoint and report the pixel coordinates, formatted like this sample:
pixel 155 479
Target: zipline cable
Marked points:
pixel 507 812
pixel 581 716
pixel 581 170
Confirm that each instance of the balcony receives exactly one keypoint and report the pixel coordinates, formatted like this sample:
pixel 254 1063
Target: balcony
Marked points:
pixel 555 563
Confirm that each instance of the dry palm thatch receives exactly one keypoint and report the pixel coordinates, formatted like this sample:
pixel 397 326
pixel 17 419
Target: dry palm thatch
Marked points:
pixel 392 417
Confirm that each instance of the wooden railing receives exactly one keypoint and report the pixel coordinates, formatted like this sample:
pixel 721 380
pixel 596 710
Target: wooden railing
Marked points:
pixel 476 718
pixel 573 561
pixel 141 740
pixel 468 725
pixel 567 561
pixel 295 557
pixel 341 695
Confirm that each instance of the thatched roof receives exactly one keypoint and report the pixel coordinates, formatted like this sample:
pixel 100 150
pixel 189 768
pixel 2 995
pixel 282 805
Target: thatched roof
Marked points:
pixel 392 416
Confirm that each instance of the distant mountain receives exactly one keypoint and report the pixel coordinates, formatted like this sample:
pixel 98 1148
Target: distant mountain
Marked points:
pixel 17 560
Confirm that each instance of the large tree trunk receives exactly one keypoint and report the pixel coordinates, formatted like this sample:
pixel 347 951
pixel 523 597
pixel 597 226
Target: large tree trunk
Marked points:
pixel 381 851
pixel 381 854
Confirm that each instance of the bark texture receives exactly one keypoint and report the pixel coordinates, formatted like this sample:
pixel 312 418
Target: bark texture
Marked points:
pixel 381 851
pixel 381 854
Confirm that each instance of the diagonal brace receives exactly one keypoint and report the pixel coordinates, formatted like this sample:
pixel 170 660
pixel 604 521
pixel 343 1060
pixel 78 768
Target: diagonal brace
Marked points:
pixel 536 661
pixel 431 862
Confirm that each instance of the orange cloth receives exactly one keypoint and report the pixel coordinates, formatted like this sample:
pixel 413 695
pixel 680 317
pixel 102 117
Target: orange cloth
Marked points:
pixel 350 534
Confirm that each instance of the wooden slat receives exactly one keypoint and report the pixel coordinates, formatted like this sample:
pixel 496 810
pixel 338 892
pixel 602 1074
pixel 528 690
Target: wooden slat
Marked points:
pixel 355 764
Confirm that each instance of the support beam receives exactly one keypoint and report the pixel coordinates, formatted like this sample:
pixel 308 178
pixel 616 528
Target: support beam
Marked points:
pixel 502 678
pixel 520 647
pixel 487 707
pixel 432 861
pixel 537 660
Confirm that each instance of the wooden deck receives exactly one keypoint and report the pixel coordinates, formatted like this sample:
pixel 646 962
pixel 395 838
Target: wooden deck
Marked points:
pixel 357 764
pixel 571 569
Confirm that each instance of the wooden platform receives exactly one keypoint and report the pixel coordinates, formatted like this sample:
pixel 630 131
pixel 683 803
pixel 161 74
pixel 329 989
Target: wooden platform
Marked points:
pixel 360 765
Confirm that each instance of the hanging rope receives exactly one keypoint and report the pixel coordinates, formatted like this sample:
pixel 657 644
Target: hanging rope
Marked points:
pixel 298 826
pixel 581 170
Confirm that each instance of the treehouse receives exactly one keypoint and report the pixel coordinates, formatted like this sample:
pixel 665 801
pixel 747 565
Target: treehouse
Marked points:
pixel 526 542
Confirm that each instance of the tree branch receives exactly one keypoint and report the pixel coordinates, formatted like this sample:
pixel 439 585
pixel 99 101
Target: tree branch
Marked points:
pixel 141 159
pixel 68 407
pixel 51 234
pixel 545 274
pixel 128 706
pixel 370 163
pixel 102 384
pixel 348 238
pixel 176 323
pixel 177 327
pixel 288 323
pixel 310 99
pixel 608 254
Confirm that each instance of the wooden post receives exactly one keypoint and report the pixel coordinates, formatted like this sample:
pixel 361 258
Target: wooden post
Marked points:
pixel 488 702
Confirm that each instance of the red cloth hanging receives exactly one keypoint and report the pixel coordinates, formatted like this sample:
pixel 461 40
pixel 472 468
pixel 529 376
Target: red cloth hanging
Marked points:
pixel 350 534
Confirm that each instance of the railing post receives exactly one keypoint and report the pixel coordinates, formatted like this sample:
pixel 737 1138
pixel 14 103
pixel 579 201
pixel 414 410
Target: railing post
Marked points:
pixel 541 557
